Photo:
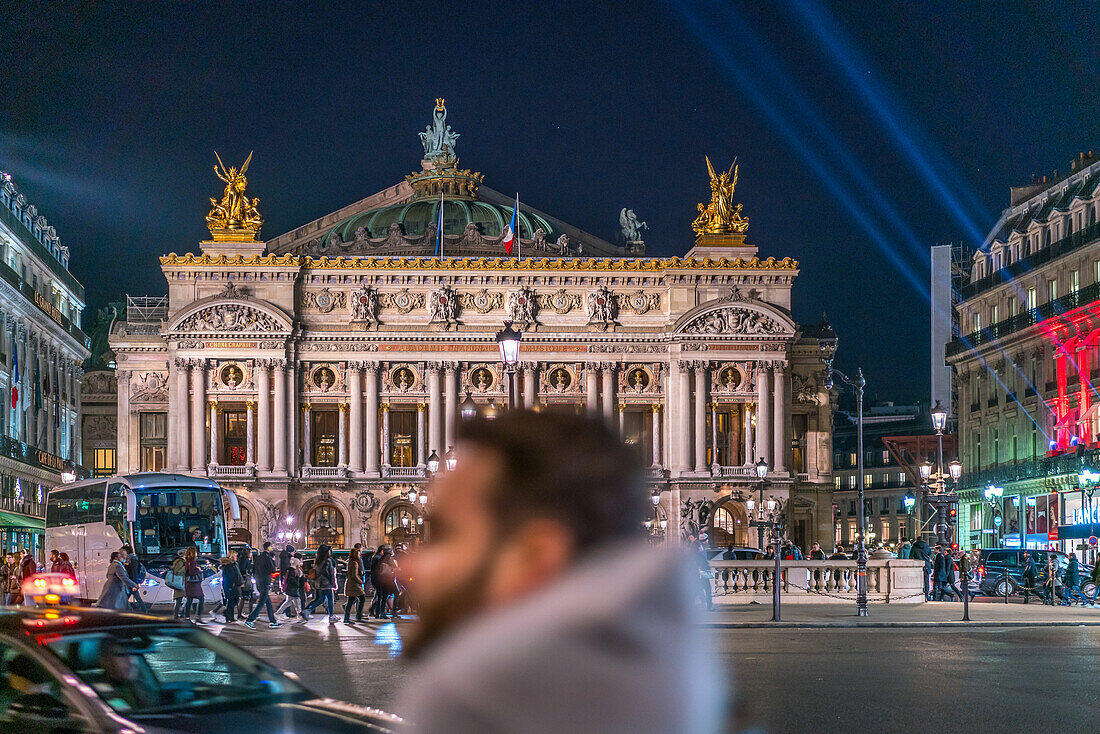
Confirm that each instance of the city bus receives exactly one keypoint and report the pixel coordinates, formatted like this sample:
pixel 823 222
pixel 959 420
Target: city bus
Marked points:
pixel 156 513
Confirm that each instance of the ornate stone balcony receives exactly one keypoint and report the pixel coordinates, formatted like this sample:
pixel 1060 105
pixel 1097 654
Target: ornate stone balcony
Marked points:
pixel 324 472
pixel 817 582
pixel 403 472
pixel 747 472
pixel 240 471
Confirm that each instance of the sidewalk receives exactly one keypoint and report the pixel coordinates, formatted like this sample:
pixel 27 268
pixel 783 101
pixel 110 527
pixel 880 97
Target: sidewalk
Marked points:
pixel 983 613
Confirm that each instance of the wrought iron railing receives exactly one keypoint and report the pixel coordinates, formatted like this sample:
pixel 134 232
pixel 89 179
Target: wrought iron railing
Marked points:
pixel 1044 468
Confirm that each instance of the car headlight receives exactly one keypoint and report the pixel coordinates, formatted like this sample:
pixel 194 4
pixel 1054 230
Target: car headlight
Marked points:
pixel 151 582
pixel 216 581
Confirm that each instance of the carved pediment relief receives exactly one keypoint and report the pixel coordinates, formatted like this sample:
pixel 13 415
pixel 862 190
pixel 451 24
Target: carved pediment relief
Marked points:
pixel 231 317
pixel 735 320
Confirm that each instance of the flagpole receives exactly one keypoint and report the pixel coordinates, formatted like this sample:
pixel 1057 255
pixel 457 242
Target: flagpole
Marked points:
pixel 440 223
pixel 516 234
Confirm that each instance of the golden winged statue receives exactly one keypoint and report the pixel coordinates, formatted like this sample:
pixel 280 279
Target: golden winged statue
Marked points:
pixel 235 216
pixel 721 215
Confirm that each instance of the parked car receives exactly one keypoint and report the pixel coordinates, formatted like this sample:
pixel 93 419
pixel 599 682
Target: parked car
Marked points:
pixel 72 669
pixel 739 554
pixel 1004 567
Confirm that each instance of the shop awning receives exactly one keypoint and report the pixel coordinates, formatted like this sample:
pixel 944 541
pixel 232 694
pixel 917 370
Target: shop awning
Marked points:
pixel 21 522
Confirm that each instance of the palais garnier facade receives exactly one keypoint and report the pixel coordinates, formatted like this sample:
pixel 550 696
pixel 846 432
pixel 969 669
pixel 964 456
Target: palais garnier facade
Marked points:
pixel 323 374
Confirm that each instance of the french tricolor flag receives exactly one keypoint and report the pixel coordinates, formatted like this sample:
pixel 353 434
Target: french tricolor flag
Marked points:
pixel 509 235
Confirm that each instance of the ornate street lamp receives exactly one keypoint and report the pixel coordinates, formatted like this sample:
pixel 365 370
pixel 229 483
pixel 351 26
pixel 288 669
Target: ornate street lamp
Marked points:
pixel 508 342
pixel 433 462
pixel 467 408
pixel 449 459
pixel 490 411
pixel 828 344
pixel 655 497
pixel 412 495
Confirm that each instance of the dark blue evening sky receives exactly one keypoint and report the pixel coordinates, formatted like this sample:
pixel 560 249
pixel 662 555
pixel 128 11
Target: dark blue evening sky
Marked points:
pixel 866 132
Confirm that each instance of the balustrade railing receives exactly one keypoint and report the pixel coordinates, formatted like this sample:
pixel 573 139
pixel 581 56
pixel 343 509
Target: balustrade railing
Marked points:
pixel 324 472
pixel 236 471
pixel 406 472
pixel 888 580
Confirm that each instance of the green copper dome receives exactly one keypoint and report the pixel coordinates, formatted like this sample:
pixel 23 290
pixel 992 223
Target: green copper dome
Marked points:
pixel 419 216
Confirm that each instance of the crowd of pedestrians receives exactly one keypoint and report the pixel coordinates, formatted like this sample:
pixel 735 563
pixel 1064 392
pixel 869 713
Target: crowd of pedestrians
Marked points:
pixel 18 566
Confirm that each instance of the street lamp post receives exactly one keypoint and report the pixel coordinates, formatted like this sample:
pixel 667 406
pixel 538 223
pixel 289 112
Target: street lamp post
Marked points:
pixel 467 408
pixel 760 520
pixel 508 342
pixel 828 349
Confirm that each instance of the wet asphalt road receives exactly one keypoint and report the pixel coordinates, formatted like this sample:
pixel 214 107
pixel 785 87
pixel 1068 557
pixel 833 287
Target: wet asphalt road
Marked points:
pixel 798 680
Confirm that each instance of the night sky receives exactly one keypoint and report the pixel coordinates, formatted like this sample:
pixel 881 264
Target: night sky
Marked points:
pixel 865 132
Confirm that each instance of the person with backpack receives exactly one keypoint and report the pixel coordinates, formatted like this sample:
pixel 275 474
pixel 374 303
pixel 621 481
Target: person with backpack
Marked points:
pixel 192 584
pixel 295 588
pixel 323 576
pixel 244 563
pixel 173 579
pixel 1071 583
pixel 354 592
pixel 232 583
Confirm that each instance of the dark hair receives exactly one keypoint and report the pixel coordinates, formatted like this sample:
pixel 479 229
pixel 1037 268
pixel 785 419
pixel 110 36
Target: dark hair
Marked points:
pixel 115 555
pixel 323 554
pixel 127 548
pixel 267 546
pixel 571 468
pixel 64 557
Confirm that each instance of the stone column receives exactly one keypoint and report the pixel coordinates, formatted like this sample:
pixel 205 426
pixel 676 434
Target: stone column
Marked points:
pixel 386 455
pixel 591 395
pixel 215 455
pixel 307 436
pixel 764 414
pixel 263 415
pixel 530 384
pixel 250 435
pixel 122 436
pixel 435 407
pixel 700 435
pixel 198 416
pixel 51 411
pixel 713 408
pixel 342 436
pixel 607 370
pixel 779 419
pixel 179 417
pixel 282 417
pixel 355 417
pixel 656 436
pixel 371 444
pixel 78 429
pixel 683 419
pixel 450 387
pixel 746 415
pixel 421 454
pixel 292 429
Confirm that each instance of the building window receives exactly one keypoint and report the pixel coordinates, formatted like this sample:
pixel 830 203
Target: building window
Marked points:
pixel 851 507
pixel 638 434
pixel 1075 280
pixel 852 481
pixel 901 478
pixel 836 482
pixel 1032 302
pixel 884 506
pixel 885 531
pixel 154 441
pixel 104 462
pixel 1052 289
pixel 324 526
pixel 1013 308
pixel 234 424
pixel 323 437
pixel 993 314
pixel 977 321
pixel 851 531
pixel 402 449
pixel 399 524
pixel 868 480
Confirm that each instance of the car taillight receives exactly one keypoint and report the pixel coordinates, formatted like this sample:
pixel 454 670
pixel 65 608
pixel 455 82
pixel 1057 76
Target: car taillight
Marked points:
pixel 275 575
pixel 981 570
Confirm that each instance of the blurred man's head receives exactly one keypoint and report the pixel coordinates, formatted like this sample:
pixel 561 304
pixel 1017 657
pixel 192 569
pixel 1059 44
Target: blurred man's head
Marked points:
pixel 530 494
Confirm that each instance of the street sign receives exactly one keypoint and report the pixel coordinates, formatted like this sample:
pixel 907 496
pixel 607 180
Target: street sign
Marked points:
pixel 997 521
pixel 1092 540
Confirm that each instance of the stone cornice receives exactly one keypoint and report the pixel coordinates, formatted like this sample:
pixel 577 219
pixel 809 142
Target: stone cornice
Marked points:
pixel 498 263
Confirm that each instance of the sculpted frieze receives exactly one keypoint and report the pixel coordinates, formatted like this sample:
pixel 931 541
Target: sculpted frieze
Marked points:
pixel 324 300
pixel 602 307
pixel 230 317
pixel 482 301
pixel 149 387
pixel 560 302
pixel 403 301
pixel 733 320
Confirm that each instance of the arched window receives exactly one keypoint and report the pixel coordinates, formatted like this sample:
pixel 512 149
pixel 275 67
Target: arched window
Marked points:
pixel 400 524
pixel 729 526
pixel 324 526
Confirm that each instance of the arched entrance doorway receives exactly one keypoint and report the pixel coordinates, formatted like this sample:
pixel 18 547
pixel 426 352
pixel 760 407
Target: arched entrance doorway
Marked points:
pixel 400 524
pixel 730 525
pixel 324 526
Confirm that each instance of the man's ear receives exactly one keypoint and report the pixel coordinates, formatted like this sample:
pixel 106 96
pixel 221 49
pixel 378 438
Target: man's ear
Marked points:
pixel 535 554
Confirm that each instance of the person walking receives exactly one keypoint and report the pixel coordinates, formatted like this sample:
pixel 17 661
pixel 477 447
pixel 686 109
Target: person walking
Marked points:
pixel 375 569
pixel 1071 583
pixel 244 563
pixel 116 587
pixel 920 551
pixel 15 579
pixel 28 567
pixel 354 593
pixel 295 589
pixel 943 575
pixel 65 566
pixel 284 565
pixel 136 570
pixel 232 583
pixel 263 569
pixel 55 559
pixel 174 580
pixel 1029 578
pixel 323 578
pixel 904 548
pixel 192 584
pixel 5 574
